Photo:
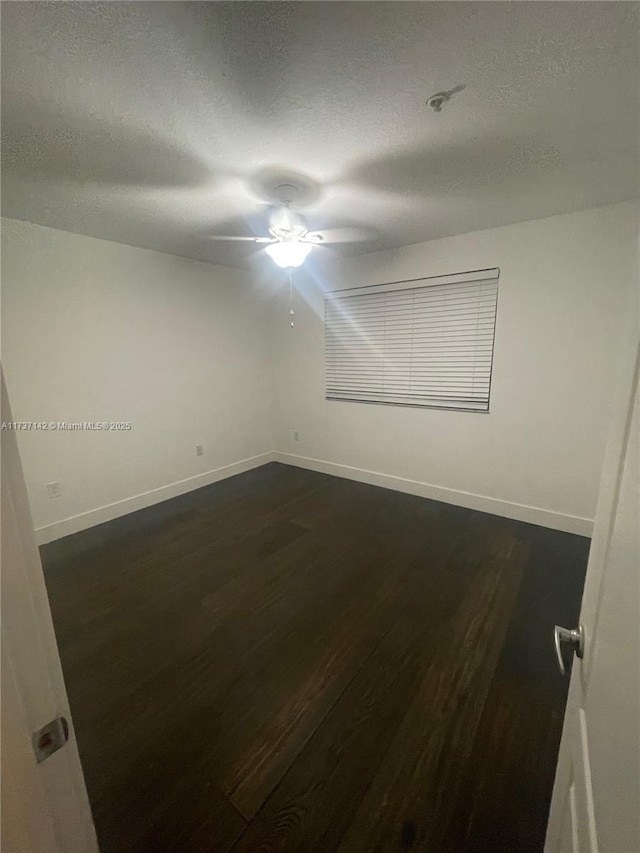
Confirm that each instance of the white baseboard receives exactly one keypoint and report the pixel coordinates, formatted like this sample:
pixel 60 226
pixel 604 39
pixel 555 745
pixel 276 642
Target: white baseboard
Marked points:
pixel 494 506
pixel 75 523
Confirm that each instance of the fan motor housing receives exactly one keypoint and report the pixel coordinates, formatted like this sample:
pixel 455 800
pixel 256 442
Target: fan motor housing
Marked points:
pixel 285 221
pixel 286 193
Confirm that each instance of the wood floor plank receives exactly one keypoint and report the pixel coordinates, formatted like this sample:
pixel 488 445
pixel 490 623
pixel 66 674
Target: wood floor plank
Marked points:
pixel 311 808
pixel 169 810
pixel 497 808
pixel 291 670
pixel 155 592
pixel 521 724
pixel 305 673
pixel 217 512
pixel 411 790
pixel 291 661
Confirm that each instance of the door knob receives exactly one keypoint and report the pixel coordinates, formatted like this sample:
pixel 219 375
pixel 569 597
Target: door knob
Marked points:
pixel 571 637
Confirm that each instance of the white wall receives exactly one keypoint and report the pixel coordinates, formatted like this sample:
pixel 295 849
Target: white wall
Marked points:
pixel 565 286
pixel 99 331
pixel 192 353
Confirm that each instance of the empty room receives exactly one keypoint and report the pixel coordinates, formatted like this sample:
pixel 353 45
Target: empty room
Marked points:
pixel 320 427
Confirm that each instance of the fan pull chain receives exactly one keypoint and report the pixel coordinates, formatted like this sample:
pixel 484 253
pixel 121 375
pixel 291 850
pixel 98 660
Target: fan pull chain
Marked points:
pixel 291 311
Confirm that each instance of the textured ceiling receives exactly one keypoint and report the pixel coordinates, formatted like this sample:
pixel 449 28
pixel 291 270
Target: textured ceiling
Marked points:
pixel 155 124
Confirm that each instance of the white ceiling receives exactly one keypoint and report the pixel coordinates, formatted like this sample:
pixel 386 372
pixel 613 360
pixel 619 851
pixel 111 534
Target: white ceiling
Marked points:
pixel 155 124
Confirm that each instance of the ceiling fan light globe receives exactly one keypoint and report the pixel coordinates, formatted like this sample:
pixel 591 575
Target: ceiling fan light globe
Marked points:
pixel 290 254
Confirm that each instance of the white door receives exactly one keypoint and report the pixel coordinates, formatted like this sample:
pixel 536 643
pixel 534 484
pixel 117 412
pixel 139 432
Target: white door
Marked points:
pixel 44 805
pixel 596 797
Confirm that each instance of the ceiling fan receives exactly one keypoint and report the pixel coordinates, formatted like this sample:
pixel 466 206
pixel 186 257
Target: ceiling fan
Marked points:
pixel 290 241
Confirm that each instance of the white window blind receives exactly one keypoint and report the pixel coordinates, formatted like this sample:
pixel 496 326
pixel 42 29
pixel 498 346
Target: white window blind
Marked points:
pixel 427 342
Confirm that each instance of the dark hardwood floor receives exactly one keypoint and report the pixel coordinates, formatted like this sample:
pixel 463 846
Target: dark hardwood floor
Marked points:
pixel 288 661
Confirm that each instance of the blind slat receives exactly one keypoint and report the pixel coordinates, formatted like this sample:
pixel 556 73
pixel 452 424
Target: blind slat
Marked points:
pixel 445 310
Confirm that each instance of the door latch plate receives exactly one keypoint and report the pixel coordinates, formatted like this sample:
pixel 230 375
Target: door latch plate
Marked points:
pixel 50 738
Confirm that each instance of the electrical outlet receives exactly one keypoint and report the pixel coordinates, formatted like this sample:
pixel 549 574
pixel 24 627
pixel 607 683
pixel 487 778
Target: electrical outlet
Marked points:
pixel 296 435
pixel 199 450
pixel 54 490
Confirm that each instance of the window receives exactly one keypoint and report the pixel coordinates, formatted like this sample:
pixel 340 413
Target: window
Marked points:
pixel 426 342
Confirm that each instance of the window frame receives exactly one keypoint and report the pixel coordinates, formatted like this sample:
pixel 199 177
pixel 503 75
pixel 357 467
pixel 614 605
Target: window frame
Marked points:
pixel 468 277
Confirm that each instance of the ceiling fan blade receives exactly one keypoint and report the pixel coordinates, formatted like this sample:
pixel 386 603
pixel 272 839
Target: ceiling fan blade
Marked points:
pixel 228 238
pixel 342 235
